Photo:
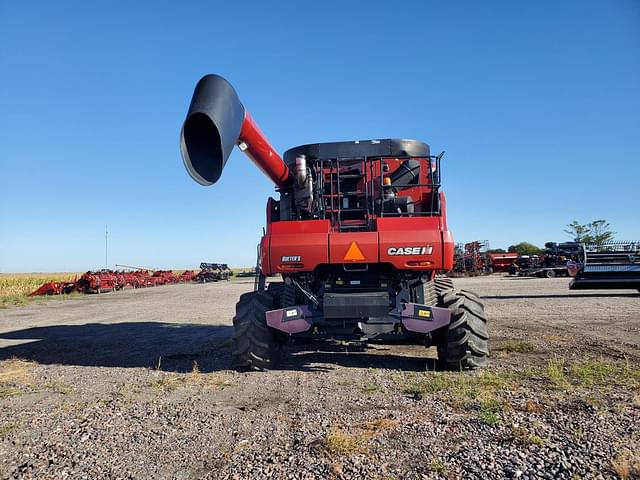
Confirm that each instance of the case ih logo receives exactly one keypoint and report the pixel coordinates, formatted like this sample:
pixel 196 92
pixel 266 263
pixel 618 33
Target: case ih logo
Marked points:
pixel 291 258
pixel 410 250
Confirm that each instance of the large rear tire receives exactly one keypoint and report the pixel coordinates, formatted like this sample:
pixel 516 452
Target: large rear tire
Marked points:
pixel 255 345
pixel 464 343
pixel 443 284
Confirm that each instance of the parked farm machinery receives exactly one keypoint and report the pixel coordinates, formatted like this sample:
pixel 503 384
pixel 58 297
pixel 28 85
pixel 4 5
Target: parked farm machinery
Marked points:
pixel 552 263
pixel 102 281
pixel 358 234
pixel 470 258
pixel 500 262
pixel 213 272
pixel 612 265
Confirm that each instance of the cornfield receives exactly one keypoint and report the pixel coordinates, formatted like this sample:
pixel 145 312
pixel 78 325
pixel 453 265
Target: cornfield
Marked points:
pixel 15 287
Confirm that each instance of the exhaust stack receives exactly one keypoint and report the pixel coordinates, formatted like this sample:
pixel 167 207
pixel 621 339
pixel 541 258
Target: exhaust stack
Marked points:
pixel 216 121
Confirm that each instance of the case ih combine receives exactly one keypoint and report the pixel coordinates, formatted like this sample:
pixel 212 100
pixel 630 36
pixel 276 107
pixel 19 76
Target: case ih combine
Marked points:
pixel 358 234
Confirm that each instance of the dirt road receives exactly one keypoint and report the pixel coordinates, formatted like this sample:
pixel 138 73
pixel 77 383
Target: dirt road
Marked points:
pixel 135 385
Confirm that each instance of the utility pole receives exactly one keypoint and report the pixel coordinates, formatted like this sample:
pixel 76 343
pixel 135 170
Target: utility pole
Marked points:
pixel 106 246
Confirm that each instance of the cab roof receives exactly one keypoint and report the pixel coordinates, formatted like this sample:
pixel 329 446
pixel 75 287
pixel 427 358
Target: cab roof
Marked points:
pixel 388 147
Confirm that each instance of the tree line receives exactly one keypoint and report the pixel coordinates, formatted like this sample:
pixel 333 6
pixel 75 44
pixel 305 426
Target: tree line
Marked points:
pixel 597 232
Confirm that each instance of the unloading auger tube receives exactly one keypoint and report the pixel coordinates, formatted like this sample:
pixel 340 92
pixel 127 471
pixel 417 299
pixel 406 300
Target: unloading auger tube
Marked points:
pixel 216 121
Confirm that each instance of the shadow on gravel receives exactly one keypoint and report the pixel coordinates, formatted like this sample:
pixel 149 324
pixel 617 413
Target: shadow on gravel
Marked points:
pixel 175 348
pixel 171 347
pixel 319 356
pixel 561 295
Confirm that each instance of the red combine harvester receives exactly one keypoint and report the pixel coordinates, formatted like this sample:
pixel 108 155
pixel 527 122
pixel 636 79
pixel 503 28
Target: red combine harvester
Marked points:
pixel 358 234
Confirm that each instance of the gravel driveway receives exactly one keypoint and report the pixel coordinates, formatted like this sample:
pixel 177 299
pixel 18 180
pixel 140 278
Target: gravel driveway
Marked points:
pixel 135 384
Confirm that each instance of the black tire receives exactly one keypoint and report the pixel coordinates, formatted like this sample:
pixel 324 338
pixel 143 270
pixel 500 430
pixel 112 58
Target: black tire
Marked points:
pixel 275 289
pixel 443 284
pixel 255 345
pixel 550 273
pixel 464 343
pixel 283 295
pixel 430 295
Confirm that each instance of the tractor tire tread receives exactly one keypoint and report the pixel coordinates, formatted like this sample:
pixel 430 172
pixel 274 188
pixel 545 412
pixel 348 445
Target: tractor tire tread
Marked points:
pixel 464 343
pixel 255 346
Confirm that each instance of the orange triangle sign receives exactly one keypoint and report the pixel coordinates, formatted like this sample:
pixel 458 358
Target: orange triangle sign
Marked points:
pixel 354 253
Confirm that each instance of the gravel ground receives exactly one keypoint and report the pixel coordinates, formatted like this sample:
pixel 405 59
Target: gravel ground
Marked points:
pixel 136 385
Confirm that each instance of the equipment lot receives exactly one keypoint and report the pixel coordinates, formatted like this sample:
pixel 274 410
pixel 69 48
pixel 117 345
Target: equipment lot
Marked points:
pixel 135 384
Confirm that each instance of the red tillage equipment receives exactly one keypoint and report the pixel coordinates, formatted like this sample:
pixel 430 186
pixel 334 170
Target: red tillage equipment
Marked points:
pixel 98 282
pixel 108 281
pixel 186 276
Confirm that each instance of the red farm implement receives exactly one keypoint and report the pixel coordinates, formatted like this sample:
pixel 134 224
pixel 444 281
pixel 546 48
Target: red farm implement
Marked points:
pixel 54 288
pixel 110 281
pixel 501 262
pixel 470 257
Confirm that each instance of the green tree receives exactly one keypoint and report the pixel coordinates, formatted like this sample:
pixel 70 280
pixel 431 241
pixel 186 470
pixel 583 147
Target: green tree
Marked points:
pixel 597 232
pixel 579 232
pixel 525 248
pixel 497 250
pixel 600 232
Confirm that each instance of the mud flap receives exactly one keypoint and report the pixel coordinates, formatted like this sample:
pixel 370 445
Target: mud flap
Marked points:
pixel 423 319
pixel 290 320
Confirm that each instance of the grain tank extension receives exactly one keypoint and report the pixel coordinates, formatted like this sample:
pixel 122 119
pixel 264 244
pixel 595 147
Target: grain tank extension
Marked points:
pixel 358 233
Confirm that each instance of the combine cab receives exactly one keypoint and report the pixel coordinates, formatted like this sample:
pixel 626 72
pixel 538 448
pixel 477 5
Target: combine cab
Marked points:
pixel 613 265
pixel 358 233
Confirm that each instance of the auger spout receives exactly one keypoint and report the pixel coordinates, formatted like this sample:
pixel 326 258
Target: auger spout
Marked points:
pixel 215 123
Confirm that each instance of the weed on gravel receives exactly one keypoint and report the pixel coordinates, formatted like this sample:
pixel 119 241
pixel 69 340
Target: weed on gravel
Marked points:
pixel 516 346
pixel 340 441
pixel 16 377
pixel 168 382
pixel 626 465
pixel 524 437
pixel 461 387
pixel 7 429
pixel 437 466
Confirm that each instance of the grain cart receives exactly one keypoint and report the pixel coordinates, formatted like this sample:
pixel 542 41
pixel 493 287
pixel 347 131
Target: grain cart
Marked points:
pixel 358 234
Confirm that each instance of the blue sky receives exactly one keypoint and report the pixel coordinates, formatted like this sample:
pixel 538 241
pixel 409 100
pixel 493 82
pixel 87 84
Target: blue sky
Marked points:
pixel 536 104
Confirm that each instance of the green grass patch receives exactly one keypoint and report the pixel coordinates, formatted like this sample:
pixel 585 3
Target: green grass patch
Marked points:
pixel 370 388
pixel 555 372
pixel 524 437
pixel 458 384
pixel 516 346
pixel 338 442
pixel 7 429
pixel 587 373
pixel 490 409
pixel 437 466
pixel 168 382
